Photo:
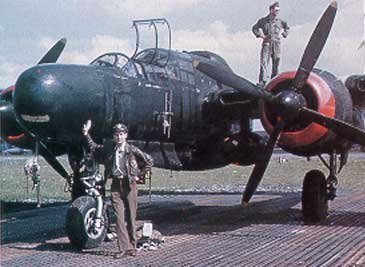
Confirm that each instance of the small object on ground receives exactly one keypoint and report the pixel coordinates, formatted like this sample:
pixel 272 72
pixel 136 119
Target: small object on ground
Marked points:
pixel 147 230
pixel 110 237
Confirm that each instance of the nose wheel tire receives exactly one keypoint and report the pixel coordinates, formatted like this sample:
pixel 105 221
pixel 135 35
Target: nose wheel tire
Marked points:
pixel 314 198
pixel 80 227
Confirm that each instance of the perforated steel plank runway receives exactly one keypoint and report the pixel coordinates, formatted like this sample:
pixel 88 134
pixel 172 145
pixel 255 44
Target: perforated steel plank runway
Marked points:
pixel 203 230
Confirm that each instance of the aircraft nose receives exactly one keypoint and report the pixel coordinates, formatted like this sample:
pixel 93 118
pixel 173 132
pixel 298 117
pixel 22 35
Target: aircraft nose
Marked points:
pixel 31 100
pixel 54 99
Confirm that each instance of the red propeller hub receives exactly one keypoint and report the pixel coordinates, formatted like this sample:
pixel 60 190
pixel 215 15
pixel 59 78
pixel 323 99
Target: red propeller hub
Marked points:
pixel 318 96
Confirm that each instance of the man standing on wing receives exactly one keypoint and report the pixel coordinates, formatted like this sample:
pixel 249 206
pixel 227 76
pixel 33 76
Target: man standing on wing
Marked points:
pixel 270 29
pixel 120 161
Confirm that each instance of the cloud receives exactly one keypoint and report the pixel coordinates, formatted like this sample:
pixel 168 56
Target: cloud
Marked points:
pixel 9 72
pixel 146 8
pixel 240 49
pixel 86 50
pixel 340 55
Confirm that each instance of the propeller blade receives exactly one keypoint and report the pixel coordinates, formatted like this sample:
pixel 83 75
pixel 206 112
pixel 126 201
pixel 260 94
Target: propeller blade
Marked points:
pixel 315 46
pixel 54 53
pixel 231 79
pixel 344 129
pixel 260 167
pixel 362 44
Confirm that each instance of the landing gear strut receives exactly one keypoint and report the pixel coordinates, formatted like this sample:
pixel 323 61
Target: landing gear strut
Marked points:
pixel 317 190
pixel 87 219
pixel 31 169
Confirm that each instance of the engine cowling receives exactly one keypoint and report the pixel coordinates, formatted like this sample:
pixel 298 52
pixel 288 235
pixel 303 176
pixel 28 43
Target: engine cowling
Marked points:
pixel 324 93
pixel 356 85
pixel 11 131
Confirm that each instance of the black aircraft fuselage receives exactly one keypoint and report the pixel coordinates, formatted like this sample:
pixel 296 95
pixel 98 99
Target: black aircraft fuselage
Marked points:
pixel 173 110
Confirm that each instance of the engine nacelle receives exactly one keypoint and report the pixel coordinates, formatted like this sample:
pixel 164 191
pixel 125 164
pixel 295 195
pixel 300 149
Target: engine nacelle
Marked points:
pixel 356 85
pixel 10 130
pixel 324 93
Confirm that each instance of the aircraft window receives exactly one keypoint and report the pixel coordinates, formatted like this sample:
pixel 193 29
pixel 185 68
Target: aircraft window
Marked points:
pixel 105 61
pixel 149 72
pixel 162 56
pixel 139 68
pixel 145 56
pixel 129 69
pixel 120 61
pixel 155 73
pixel 152 56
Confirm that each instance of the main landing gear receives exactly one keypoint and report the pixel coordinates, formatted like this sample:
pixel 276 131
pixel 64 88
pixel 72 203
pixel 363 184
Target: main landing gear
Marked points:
pixel 317 190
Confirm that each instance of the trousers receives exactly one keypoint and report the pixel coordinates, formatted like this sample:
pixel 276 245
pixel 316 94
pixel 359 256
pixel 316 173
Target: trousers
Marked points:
pixel 269 50
pixel 124 198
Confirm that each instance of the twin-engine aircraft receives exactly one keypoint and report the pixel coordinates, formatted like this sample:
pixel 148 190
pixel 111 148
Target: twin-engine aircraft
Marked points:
pixel 190 111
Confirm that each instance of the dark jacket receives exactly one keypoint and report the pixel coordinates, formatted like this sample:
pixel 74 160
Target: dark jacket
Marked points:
pixel 137 160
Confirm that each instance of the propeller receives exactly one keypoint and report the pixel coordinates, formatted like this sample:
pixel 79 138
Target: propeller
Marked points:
pixel 289 102
pixel 231 79
pixel 315 46
pixel 260 167
pixel 54 52
pixel 344 129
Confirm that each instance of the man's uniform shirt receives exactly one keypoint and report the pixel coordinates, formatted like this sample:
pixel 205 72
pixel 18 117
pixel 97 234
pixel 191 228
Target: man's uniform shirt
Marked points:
pixel 271 28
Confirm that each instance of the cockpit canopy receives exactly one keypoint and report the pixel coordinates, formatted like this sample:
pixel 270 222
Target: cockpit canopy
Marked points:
pixel 150 64
pixel 119 60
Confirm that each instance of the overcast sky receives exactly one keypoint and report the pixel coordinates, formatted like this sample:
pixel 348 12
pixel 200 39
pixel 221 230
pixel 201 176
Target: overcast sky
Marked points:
pixel 29 27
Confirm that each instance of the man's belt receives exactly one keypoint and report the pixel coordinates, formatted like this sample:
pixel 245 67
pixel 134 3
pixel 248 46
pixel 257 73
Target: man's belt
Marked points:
pixel 118 177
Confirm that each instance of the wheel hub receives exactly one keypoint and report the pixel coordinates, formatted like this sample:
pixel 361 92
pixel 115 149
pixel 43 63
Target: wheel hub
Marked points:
pixel 91 230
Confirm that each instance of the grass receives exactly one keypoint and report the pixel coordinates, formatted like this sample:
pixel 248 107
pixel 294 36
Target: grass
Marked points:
pixel 13 184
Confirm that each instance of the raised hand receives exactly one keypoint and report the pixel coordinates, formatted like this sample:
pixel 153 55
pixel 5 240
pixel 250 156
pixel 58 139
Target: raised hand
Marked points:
pixel 86 127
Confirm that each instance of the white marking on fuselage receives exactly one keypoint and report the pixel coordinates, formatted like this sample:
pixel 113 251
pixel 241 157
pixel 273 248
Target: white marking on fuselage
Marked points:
pixel 30 118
